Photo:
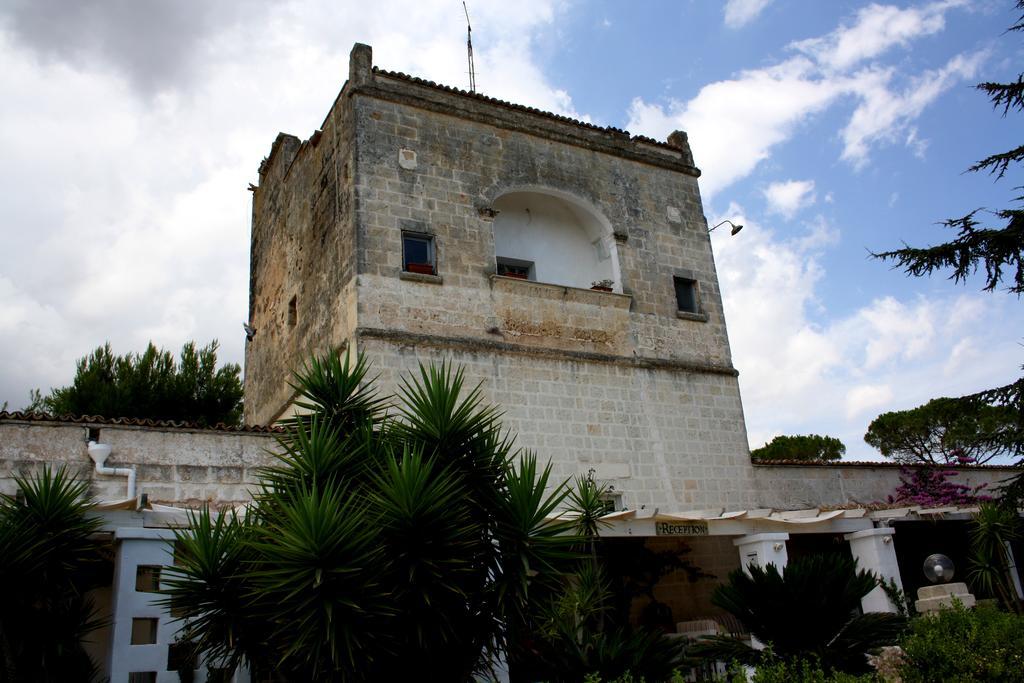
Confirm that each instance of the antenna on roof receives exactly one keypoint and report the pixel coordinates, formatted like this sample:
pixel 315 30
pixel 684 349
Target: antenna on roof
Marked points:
pixel 469 50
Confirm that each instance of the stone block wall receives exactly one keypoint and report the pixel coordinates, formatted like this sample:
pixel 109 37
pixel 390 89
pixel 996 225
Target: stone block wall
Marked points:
pixel 463 164
pixel 179 467
pixel 662 437
pixel 807 486
pixel 302 271
pixel 398 154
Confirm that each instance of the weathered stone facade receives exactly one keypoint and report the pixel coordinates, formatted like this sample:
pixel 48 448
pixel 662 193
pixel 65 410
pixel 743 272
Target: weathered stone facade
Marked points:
pixel 812 485
pixel 620 381
pixel 186 467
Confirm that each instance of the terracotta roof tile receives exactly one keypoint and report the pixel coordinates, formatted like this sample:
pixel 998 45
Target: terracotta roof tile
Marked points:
pixel 21 416
pixel 872 463
pixel 521 107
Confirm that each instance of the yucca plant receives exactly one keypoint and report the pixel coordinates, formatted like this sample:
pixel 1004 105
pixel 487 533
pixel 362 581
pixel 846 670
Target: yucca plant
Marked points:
pixel 993 528
pixel 402 544
pixel 810 608
pixel 50 560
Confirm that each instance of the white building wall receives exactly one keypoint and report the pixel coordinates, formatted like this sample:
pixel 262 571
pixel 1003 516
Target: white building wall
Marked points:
pixel 137 547
pixel 566 246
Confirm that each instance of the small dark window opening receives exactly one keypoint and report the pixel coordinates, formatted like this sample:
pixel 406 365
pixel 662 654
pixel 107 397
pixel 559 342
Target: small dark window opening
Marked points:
pixel 142 677
pixel 218 675
pixel 686 295
pixel 147 578
pixel 293 311
pixel 418 253
pixel 517 268
pixel 611 501
pixel 181 657
pixel 144 631
pixel 94 434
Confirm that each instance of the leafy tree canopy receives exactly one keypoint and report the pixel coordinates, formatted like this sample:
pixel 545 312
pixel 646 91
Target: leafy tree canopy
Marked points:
pixel 151 385
pixel 800 447
pixel 944 431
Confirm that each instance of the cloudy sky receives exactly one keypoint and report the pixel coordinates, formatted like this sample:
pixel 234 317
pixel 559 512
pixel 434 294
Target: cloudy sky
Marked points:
pixel 129 131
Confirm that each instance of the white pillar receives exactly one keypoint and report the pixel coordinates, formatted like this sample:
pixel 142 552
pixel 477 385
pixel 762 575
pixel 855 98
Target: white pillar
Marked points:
pixel 762 550
pixel 874 549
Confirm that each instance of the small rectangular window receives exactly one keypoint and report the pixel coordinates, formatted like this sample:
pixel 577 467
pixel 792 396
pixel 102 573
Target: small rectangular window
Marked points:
pixel 218 675
pixel 181 657
pixel 144 631
pixel 687 300
pixel 142 677
pixel 147 578
pixel 517 268
pixel 611 501
pixel 293 311
pixel 418 253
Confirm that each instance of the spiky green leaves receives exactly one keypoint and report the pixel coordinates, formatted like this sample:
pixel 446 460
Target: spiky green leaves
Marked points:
pixel 378 547
pixel 336 391
pixel 810 608
pixel 50 558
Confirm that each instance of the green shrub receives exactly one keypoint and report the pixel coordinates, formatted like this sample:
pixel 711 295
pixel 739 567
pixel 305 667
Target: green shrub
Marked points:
pixel 959 644
pixel 809 609
pixel 804 671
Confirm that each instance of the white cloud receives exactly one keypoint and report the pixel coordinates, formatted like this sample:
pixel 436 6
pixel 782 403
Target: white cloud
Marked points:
pixel 808 368
pixel 883 115
pixel 886 330
pixel 739 13
pixel 131 216
pixel 735 124
pixel 877 29
pixel 789 196
pixel 917 145
pixel 865 397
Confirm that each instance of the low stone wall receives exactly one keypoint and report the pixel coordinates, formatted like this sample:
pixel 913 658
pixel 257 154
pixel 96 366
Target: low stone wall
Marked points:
pixel 795 486
pixel 174 466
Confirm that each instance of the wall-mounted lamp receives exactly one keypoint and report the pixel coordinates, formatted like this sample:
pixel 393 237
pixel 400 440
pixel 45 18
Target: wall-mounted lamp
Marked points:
pixel 735 228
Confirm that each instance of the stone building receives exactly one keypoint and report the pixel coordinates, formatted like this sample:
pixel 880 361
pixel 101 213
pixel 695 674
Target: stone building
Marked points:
pixel 422 223
pixel 567 268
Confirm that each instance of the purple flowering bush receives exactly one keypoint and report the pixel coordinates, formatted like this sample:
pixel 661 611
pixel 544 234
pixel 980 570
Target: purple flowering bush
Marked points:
pixel 931 487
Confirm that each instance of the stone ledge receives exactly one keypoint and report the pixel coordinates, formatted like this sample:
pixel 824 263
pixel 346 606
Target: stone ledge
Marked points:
pixel 474 344
pixel 696 317
pixel 550 290
pixel 420 277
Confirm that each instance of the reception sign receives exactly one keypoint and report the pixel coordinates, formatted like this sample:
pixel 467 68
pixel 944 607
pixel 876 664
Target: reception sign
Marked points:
pixel 687 528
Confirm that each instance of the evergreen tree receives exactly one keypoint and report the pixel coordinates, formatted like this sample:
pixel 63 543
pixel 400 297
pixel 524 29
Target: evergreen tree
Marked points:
pixel 810 447
pixel 944 431
pixel 151 385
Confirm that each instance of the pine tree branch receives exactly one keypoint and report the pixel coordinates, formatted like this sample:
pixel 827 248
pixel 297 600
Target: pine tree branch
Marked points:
pixel 997 164
pixel 997 248
pixel 1005 95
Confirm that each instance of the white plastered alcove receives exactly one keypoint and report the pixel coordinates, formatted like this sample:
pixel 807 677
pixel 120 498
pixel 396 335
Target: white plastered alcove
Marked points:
pixel 567 242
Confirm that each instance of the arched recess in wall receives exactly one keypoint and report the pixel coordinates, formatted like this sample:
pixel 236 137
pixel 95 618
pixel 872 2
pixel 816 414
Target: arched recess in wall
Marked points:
pixel 553 237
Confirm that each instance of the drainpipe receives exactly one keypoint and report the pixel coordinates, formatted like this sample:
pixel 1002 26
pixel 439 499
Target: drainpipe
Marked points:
pixel 99 452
